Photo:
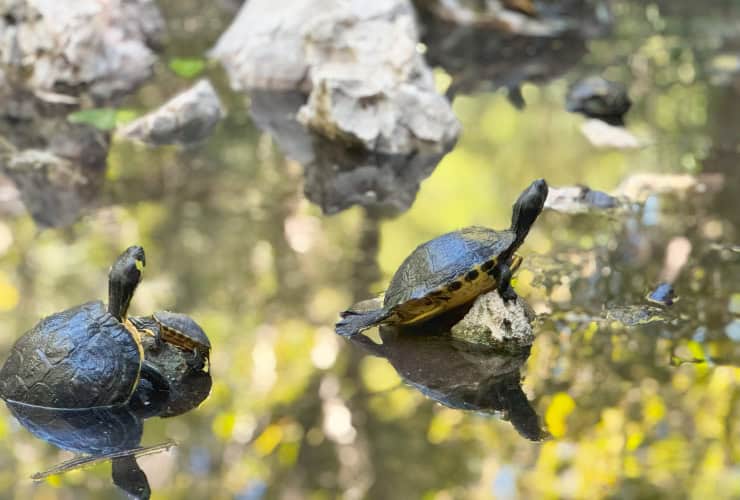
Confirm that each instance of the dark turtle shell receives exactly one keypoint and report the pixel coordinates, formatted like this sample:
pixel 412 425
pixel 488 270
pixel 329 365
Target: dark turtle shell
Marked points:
pixel 78 358
pixel 597 97
pixel 181 330
pixel 447 271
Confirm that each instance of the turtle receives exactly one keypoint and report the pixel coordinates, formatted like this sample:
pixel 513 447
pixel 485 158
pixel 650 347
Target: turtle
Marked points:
pixel 88 356
pixel 179 330
pixel 452 270
pixel 597 97
pixel 664 294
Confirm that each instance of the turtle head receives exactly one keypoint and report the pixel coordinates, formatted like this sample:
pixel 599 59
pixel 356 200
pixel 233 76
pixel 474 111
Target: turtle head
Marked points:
pixel 123 278
pixel 527 208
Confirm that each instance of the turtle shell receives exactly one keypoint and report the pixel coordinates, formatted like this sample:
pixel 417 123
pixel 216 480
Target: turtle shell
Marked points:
pixel 78 358
pixel 595 96
pixel 181 330
pixel 447 271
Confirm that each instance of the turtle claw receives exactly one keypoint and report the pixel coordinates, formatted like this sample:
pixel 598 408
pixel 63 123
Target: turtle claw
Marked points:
pixel 509 294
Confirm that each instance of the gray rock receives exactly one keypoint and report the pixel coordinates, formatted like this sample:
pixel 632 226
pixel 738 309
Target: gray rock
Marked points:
pixel 188 118
pixel 493 322
pixel 69 45
pixel 579 199
pixel 368 84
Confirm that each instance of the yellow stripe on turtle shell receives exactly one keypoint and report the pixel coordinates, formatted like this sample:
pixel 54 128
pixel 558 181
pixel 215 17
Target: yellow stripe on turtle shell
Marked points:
pixel 461 290
pixel 176 338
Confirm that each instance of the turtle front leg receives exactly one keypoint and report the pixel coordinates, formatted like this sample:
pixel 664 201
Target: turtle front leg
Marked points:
pixel 502 274
pixel 197 361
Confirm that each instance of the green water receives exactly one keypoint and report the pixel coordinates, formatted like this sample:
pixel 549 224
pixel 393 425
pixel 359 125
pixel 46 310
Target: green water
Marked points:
pixel 644 410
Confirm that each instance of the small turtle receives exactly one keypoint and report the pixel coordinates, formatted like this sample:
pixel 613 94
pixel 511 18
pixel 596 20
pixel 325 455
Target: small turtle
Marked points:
pixel 179 330
pixel 87 356
pixel 664 294
pixel 597 97
pixel 452 270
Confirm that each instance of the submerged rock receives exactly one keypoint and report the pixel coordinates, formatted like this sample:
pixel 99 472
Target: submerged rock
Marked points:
pixel 579 199
pixel 603 135
pixel 187 118
pixel 493 322
pixel 633 315
pixel 367 83
pixel 73 45
pixel 638 187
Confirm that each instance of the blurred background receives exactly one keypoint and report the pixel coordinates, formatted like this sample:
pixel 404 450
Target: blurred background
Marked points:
pixel 639 401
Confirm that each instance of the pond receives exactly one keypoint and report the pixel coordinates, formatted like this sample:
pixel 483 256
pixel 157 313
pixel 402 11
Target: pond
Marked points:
pixel 263 233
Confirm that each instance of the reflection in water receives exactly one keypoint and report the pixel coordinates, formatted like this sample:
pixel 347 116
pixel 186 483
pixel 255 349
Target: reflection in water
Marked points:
pixel 58 167
pixel 114 433
pixel 338 176
pixel 491 55
pixel 297 412
pixel 460 375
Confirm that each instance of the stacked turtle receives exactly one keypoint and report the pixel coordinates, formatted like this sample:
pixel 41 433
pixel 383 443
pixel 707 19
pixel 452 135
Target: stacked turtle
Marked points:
pixel 90 356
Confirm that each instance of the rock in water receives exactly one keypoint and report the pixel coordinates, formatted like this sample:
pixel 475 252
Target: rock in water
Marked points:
pixel 185 119
pixel 69 45
pixel 368 84
pixel 493 322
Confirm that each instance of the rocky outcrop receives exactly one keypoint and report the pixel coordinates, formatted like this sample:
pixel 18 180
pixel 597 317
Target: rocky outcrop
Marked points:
pixel 358 61
pixel 73 45
pixel 186 119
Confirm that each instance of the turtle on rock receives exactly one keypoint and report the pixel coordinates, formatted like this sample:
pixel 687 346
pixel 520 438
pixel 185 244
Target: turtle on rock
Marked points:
pixel 452 270
pixel 88 356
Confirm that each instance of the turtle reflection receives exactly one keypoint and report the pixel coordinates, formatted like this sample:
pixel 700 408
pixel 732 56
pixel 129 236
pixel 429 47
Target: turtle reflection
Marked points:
pixel 460 375
pixel 114 433
pixel 338 175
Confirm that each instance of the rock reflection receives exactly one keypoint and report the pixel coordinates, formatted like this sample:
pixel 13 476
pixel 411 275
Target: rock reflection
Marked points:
pixel 489 51
pixel 460 375
pixel 58 167
pixel 337 176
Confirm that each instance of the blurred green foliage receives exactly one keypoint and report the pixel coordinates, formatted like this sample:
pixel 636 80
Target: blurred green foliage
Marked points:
pixel 635 412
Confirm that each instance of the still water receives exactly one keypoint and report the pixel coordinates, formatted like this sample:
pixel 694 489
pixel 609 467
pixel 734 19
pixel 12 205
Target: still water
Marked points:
pixel 633 400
